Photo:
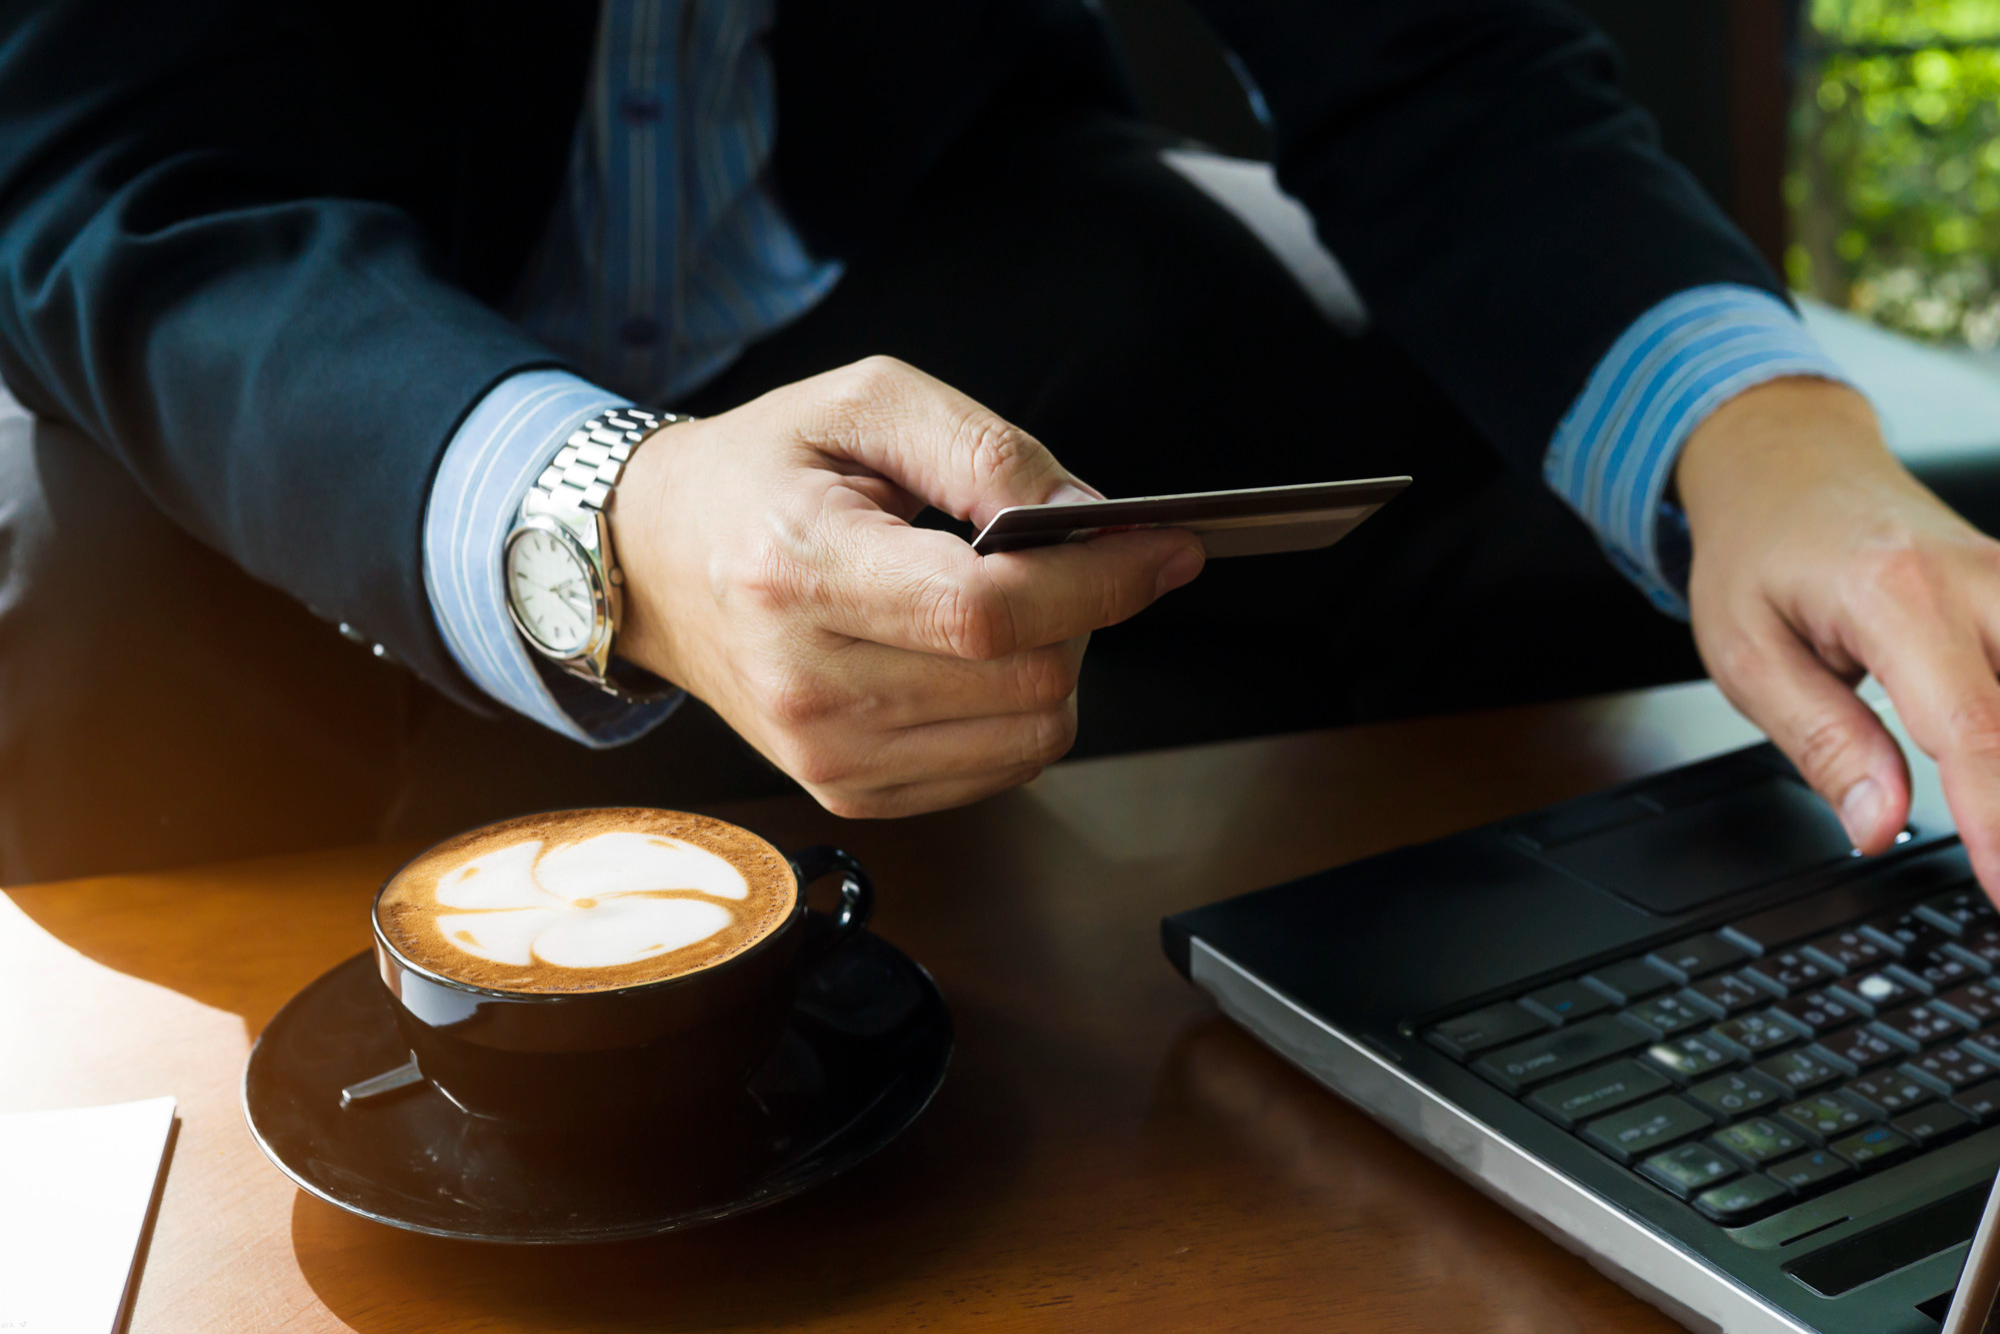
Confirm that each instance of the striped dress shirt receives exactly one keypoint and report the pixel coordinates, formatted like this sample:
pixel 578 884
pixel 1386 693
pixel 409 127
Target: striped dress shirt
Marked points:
pixel 665 257
pixel 1614 451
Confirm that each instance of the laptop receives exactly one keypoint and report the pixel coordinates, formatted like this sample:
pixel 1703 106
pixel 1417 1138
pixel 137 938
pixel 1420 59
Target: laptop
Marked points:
pixel 1678 1025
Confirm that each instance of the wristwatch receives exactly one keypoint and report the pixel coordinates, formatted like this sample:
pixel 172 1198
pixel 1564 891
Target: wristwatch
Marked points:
pixel 565 591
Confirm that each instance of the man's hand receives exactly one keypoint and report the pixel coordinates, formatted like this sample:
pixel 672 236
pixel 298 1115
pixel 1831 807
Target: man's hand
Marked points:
pixel 772 571
pixel 1818 558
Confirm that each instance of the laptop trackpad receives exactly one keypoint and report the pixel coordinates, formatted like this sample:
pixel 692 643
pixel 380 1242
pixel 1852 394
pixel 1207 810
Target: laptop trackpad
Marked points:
pixel 1682 859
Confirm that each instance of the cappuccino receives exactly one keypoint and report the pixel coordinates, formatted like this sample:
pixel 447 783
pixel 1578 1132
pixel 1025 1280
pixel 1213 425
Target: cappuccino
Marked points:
pixel 587 900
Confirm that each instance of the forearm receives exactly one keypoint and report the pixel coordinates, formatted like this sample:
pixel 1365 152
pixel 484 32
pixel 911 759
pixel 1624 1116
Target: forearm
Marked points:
pixel 1612 459
pixel 492 460
pixel 280 370
pixel 1504 210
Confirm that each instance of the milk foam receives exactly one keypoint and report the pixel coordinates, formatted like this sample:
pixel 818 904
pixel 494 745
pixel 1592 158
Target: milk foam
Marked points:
pixel 602 902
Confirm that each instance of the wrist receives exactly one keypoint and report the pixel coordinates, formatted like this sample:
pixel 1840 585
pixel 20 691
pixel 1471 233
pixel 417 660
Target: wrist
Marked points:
pixel 564 578
pixel 640 530
pixel 1772 441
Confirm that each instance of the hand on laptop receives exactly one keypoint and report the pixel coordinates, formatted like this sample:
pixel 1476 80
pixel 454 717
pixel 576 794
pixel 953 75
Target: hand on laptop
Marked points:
pixel 1818 558
pixel 773 572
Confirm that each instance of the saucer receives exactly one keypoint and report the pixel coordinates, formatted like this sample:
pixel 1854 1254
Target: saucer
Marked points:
pixel 865 1048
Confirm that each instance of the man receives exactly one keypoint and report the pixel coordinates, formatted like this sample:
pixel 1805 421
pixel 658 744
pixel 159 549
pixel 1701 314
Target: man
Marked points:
pixel 330 286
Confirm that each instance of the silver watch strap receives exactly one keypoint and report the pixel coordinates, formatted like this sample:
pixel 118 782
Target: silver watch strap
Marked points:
pixel 581 480
pixel 592 460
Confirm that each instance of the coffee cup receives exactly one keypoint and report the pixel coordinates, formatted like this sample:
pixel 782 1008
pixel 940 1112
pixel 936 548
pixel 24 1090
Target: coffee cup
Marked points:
pixel 575 967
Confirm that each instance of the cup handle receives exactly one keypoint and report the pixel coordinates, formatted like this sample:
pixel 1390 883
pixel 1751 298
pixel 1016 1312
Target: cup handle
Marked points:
pixel 857 892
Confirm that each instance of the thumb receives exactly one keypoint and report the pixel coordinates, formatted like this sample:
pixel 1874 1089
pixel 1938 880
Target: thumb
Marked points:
pixel 932 441
pixel 1840 747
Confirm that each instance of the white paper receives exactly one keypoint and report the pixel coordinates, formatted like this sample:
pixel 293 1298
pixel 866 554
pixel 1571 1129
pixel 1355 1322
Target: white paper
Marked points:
pixel 75 1186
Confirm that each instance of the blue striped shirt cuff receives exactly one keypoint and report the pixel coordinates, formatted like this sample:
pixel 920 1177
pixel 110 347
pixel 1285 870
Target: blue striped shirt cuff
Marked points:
pixel 487 469
pixel 1614 452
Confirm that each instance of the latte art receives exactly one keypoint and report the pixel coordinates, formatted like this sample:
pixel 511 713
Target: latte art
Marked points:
pixel 587 900
pixel 610 900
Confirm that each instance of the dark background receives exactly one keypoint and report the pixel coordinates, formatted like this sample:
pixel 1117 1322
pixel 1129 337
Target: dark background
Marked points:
pixel 1714 74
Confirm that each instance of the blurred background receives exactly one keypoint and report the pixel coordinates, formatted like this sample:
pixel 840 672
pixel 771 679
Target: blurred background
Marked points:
pixel 1892 186
pixel 1857 141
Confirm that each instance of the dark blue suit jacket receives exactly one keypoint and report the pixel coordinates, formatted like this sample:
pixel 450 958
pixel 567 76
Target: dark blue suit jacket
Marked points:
pixel 254 247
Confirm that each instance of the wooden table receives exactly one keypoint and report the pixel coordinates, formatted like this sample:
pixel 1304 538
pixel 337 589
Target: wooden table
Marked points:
pixel 1106 1153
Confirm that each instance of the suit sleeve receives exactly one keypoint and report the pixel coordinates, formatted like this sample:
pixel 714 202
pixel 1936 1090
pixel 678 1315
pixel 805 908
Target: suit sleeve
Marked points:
pixel 277 362
pixel 1506 213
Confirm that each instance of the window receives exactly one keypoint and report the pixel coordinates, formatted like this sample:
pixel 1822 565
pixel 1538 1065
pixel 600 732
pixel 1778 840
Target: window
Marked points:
pixel 1894 188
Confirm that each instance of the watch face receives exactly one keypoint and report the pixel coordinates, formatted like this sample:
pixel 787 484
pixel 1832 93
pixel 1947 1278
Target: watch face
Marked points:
pixel 549 587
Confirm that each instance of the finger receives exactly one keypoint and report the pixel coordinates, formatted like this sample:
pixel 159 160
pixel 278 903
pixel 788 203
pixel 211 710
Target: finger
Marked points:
pixel 931 440
pixel 916 588
pixel 1936 671
pixel 1839 745
pixel 854 761
pixel 888 689
pixel 968 747
pixel 918 798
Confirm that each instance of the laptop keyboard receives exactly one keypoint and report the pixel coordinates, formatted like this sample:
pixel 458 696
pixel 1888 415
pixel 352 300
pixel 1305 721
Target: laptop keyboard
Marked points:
pixel 1749 1068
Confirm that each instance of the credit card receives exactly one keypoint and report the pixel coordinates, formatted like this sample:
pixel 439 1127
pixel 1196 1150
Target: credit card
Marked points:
pixel 1979 1278
pixel 1257 522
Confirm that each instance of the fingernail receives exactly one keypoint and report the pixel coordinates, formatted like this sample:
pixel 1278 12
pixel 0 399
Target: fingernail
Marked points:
pixel 1074 493
pixel 1861 810
pixel 1182 567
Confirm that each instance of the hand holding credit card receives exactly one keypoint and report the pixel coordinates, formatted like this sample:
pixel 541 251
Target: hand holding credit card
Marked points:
pixel 1255 522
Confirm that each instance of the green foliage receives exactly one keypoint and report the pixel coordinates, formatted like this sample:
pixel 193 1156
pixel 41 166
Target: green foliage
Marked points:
pixel 1895 186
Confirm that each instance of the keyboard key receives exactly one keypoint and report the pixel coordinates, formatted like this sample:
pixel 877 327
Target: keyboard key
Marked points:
pixel 1813 916
pixel 1566 1002
pixel 1933 1124
pixel 1824 1117
pixel 1756 1033
pixel 1553 1055
pixel 1810 1173
pixel 1954 1068
pixel 1906 933
pixel 1732 1095
pixel 1594 1092
pixel 1760 1140
pixel 1632 980
pixel 1688 1169
pixel 1852 950
pixel 1983 944
pixel 1698 957
pixel 1818 1012
pixel 1976 1004
pixel 1877 1146
pixel 1888 1092
pixel 1638 1131
pixel 1981 966
pixel 1877 992
pixel 1958 910
pixel 1919 1025
pixel 1941 970
pixel 1740 1200
pixel 1472 1033
pixel 1981 1102
pixel 1690 1058
pixel 1860 1049
pixel 1725 995
pixel 1666 1015
pixel 1790 972
pixel 1799 1071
